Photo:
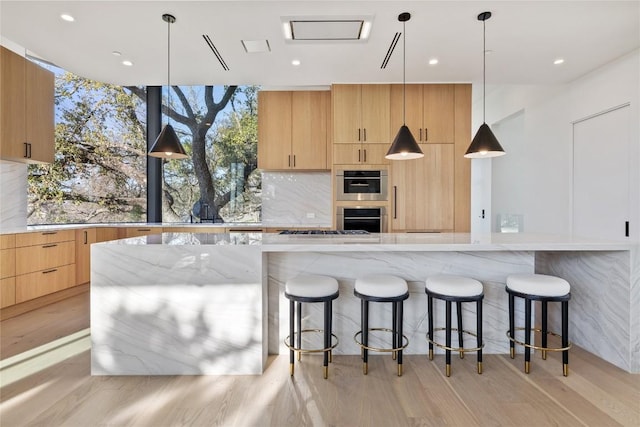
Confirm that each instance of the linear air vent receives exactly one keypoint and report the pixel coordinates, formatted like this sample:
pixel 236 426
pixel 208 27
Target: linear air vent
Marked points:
pixel 392 47
pixel 214 49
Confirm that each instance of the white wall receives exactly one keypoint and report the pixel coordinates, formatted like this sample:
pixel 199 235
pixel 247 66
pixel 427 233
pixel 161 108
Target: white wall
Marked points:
pixel 540 160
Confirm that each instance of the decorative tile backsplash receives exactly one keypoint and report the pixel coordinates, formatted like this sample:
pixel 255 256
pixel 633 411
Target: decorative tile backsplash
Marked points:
pixel 296 199
pixel 13 195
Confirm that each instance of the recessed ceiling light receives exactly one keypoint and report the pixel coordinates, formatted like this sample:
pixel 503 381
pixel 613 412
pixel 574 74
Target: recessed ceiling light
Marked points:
pixel 558 61
pixel 116 53
pixel 433 61
pixel 127 63
pixel 67 17
pixel 295 62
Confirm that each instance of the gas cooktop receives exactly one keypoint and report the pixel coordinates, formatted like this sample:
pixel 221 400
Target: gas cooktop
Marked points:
pixel 325 232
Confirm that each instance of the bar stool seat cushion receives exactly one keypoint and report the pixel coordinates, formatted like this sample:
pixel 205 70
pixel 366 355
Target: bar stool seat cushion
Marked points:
pixel 538 285
pixel 381 286
pixel 311 286
pixel 454 286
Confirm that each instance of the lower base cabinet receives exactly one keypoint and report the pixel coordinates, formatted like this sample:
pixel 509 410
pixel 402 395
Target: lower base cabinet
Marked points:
pixel 34 285
pixel 7 292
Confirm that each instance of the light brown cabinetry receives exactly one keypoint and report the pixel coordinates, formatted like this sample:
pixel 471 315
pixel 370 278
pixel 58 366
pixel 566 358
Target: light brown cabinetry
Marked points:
pixel 429 112
pixel 360 154
pixel 45 263
pixel 360 113
pixel 26 101
pixel 423 191
pixel 7 270
pixel 84 238
pixel 293 130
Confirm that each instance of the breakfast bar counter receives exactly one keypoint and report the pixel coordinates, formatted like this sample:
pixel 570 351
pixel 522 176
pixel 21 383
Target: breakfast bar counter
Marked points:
pixel 183 303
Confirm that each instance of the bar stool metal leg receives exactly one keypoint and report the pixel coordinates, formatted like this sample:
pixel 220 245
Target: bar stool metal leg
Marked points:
pixel 291 335
pixel 565 337
pixel 460 339
pixel 430 310
pixel 299 328
pixel 512 328
pixel 399 338
pixel 527 334
pixel 394 329
pixel 544 329
pixel 365 337
pixel 479 333
pixel 327 337
pixel 448 339
pixel 330 328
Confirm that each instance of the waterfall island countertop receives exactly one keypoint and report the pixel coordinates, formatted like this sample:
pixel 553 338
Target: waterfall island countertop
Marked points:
pixel 200 303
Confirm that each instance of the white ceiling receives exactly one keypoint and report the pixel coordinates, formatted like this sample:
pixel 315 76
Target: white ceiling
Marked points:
pixel 525 37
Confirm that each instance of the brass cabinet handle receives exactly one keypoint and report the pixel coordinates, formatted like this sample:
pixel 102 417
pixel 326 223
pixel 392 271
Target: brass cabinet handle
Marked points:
pixel 359 134
pixel 49 232
pixel 49 271
pixel 294 160
pixel 49 246
pixel 426 134
pixel 365 134
pixel 395 202
pixel 358 156
pixel 289 157
pixel 365 155
pixel 85 237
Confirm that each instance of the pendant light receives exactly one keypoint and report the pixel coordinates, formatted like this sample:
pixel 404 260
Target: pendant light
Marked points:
pixel 167 145
pixel 484 144
pixel 404 146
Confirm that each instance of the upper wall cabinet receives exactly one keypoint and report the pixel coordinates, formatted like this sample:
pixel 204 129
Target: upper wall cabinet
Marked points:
pixel 361 113
pixel 293 130
pixel 26 101
pixel 429 112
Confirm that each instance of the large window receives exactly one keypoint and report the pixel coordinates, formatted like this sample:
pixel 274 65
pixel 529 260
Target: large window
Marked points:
pixel 99 173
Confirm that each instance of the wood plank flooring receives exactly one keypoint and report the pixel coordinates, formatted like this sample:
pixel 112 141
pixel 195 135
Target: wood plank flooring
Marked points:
pixel 595 393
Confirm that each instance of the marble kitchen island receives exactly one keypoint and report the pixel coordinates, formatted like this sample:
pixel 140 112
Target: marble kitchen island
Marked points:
pixel 604 314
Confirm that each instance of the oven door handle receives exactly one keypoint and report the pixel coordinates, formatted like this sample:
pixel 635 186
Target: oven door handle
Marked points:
pixel 358 185
pixel 361 217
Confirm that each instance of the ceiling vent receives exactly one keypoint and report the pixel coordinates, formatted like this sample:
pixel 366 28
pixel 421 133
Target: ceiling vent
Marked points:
pixel 215 51
pixel 326 29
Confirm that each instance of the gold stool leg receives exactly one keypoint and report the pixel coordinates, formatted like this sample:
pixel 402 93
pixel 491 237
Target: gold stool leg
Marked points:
pixel 512 353
pixel 291 369
pixel 448 370
pixel 326 372
pixel 394 355
pixel 565 369
pixel 431 354
pixel 399 370
pixel 544 354
pixel 365 368
pixel 480 367
pixel 526 367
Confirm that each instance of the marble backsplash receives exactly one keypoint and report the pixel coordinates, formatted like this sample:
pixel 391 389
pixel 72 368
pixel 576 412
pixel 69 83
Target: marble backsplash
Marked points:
pixel 13 195
pixel 296 199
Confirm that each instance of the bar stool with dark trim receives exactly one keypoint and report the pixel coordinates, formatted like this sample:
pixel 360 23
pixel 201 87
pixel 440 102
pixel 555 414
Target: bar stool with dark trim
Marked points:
pixel 381 288
pixel 543 288
pixel 456 289
pixel 310 288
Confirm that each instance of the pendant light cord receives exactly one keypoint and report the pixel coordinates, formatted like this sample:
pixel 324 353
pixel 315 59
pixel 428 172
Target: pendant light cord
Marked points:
pixel 404 73
pixel 484 70
pixel 168 69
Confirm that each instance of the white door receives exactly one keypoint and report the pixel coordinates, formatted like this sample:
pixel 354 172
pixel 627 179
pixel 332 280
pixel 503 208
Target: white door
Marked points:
pixel 601 175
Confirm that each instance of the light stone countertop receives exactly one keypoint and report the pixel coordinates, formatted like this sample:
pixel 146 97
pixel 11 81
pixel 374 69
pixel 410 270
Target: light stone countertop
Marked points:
pixel 53 227
pixel 386 242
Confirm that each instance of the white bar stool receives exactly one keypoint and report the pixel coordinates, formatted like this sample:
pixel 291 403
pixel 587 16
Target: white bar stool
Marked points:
pixel 381 288
pixel 454 289
pixel 310 288
pixel 543 288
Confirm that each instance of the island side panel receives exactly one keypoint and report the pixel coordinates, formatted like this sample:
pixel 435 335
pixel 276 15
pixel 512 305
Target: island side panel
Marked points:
pixel 489 267
pixel 604 304
pixel 176 310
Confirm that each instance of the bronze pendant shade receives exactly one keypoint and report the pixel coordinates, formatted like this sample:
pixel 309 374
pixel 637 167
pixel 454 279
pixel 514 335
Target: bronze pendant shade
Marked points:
pixel 484 144
pixel 167 145
pixel 404 146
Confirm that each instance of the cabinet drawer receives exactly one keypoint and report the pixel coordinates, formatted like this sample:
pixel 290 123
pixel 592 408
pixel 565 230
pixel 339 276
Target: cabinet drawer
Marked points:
pixel 36 258
pixel 7 241
pixel 34 285
pixel 44 237
pixel 143 231
pixel 7 263
pixel 7 292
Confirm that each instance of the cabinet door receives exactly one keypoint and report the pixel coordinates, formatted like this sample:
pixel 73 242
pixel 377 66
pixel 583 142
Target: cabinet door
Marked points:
pixel 84 238
pixel 346 103
pixel 347 154
pixel 422 191
pixel 42 257
pixel 309 129
pixel 39 104
pixel 274 130
pixel 7 292
pixel 12 104
pixel 413 110
pixel 373 154
pixel 439 118
pixel 104 234
pixel 375 110
pixel 34 285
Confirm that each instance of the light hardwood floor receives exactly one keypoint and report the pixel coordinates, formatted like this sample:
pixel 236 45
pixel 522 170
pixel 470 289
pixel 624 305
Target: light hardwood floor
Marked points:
pixel 594 394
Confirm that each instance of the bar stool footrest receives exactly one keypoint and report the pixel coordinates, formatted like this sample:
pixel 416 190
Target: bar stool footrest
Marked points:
pixel 456 349
pixel 311 350
pixel 537 347
pixel 405 341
